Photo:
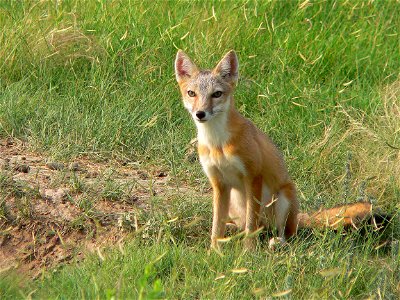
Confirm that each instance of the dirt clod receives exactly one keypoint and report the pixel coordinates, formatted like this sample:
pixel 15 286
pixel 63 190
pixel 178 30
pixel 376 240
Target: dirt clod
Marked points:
pixel 92 174
pixel 142 175
pixel 132 199
pixel 75 167
pixel 162 174
pixel 54 195
pixel 3 164
pixel 23 168
pixel 55 166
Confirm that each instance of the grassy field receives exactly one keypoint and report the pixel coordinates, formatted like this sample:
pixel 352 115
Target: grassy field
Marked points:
pixel 320 77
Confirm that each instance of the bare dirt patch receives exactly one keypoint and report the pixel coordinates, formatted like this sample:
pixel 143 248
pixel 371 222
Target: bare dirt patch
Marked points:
pixel 52 212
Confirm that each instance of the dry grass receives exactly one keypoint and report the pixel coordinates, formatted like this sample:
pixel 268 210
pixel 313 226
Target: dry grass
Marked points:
pixel 66 45
pixel 372 142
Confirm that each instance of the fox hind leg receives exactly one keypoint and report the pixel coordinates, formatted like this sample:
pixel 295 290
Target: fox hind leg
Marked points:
pixel 289 192
pixel 285 211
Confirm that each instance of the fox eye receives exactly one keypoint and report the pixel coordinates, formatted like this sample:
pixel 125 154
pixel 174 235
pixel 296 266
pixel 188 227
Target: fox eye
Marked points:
pixel 191 93
pixel 217 94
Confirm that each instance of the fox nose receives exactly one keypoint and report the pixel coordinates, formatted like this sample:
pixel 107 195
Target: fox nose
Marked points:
pixel 200 114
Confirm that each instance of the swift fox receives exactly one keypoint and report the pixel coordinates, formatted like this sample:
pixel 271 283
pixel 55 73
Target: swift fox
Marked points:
pixel 250 181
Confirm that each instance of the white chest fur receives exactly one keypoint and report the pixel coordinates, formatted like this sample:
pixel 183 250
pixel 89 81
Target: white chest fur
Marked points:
pixel 214 134
pixel 228 168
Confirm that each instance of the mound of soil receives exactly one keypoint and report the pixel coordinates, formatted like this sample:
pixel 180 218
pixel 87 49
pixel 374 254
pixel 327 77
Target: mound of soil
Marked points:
pixel 52 212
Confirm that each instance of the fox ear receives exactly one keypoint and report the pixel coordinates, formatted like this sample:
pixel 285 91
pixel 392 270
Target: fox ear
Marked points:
pixel 228 67
pixel 184 68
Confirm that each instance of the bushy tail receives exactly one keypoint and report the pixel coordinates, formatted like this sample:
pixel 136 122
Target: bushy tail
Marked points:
pixel 346 216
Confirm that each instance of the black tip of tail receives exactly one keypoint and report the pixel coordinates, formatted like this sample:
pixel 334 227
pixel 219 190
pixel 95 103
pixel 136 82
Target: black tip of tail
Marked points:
pixel 377 222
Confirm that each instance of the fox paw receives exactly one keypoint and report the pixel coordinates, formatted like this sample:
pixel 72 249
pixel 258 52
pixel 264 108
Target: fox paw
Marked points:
pixel 276 242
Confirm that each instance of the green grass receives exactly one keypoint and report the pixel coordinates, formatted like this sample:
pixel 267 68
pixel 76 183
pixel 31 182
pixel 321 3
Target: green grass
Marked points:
pixel 321 78
pixel 169 258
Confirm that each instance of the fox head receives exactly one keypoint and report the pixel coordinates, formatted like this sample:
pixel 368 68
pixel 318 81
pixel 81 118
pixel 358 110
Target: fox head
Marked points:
pixel 207 93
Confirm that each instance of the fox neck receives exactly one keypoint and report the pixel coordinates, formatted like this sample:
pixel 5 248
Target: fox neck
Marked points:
pixel 215 132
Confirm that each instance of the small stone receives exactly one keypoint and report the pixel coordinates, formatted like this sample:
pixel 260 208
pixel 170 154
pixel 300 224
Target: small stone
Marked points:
pixel 74 167
pixel 92 174
pixel 3 164
pixel 142 175
pixel 14 160
pixel 23 168
pixel 54 195
pixel 55 166
pixel 132 199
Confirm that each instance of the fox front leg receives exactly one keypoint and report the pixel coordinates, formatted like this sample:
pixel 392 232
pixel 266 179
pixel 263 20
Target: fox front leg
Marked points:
pixel 252 215
pixel 220 212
